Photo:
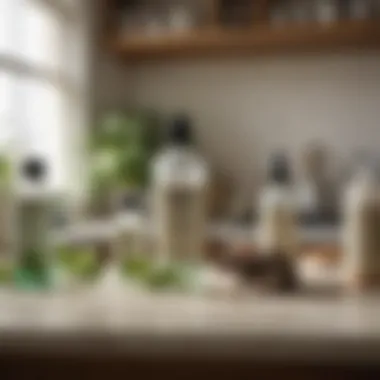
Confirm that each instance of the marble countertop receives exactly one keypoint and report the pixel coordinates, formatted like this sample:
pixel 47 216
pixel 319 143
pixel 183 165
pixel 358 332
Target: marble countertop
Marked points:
pixel 114 318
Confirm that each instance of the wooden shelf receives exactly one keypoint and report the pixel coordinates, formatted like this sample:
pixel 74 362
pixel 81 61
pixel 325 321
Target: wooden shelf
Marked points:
pixel 255 40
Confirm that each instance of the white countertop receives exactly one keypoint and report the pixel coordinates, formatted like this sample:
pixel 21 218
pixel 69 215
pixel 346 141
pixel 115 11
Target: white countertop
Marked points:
pixel 116 318
pixel 112 317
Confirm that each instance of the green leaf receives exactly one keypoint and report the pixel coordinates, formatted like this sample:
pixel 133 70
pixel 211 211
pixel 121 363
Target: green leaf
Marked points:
pixel 136 267
pixel 33 270
pixel 119 130
pixel 104 168
pixel 133 167
pixel 79 261
pixel 5 169
pixel 6 274
pixel 167 277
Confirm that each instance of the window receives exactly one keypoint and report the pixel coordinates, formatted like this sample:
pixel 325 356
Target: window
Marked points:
pixel 42 82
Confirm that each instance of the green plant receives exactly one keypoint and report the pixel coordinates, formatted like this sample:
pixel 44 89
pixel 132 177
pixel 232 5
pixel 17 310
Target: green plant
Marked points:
pixel 33 270
pixel 6 274
pixel 157 277
pixel 166 277
pixel 122 147
pixel 5 169
pixel 133 167
pixel 136 267
pixel 79 261
pixel 104 170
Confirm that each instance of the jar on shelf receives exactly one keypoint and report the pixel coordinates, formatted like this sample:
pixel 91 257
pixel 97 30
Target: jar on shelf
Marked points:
pixel 181 18
pixel 280 14
pixel 238 13
pixel 360 9
pixel 145 19
pixel 376 8
pixel 327 11
pixel 301 11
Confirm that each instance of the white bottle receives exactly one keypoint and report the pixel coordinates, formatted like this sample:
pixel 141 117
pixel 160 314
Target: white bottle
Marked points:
pixel 361 228
pixel 278 231
pixel 180 179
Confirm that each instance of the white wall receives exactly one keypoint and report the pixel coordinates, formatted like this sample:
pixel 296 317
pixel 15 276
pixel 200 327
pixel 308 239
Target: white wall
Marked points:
pixel 243 109
pixel 108 87
pixel 112 85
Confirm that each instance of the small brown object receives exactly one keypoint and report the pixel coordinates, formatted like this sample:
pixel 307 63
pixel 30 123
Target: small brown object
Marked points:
pixel 274 271
pixel 216 251
pixel 363 283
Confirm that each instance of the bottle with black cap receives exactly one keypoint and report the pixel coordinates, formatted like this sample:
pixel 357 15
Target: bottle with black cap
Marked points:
pixel 277 223
pixel 33 269
pixel 180 178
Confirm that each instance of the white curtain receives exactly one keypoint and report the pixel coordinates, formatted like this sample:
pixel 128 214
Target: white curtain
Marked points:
pixel 42 82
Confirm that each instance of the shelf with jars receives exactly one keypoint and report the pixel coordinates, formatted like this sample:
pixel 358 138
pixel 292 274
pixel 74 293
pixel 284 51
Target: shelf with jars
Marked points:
pixel 145 30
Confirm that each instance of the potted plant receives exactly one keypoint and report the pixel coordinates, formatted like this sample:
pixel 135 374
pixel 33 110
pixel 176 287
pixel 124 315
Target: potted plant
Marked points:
pixel 122 147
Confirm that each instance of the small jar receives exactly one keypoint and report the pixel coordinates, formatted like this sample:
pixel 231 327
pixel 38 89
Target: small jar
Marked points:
pixel 326 11
pixel 376 8
pixel 360 9
pixel 301 11
pixel 181 19
pixel 280 15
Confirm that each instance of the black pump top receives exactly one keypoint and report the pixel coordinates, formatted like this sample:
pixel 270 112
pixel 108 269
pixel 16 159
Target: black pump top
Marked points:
pixel 34 169
pixel 180 131
pixel 279 171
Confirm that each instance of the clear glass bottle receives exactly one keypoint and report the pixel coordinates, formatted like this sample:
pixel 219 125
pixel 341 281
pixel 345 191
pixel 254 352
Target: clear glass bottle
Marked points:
pixel 33 223
pixel 360 232
pixel 278 230
pixel 180 179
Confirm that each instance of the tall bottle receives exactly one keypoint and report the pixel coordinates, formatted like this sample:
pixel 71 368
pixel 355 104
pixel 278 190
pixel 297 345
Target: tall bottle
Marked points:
pixel 180 178
pixel 361 230
pixel 33 217
pixel 278 230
